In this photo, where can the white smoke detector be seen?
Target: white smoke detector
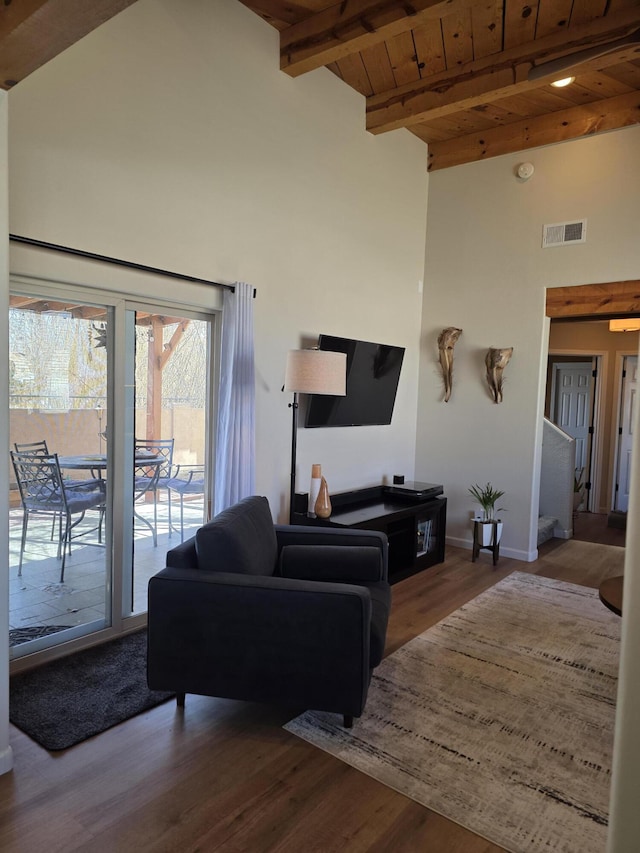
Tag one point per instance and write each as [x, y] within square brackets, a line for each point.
[525, 170]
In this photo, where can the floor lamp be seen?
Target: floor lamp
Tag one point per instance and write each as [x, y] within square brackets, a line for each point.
[311, 371]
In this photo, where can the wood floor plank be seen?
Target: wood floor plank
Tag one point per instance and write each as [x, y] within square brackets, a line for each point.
[225, 776]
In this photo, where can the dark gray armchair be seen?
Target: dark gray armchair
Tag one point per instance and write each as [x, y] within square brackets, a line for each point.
[287, 615]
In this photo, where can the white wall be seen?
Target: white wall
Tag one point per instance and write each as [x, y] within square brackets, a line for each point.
[486, 273]
[170, 137]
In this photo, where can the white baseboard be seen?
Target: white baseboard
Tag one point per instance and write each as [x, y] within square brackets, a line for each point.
[560, 533]
[513, 553]
[6, 760]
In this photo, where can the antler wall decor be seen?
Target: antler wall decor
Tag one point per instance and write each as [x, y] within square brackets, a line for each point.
[496, 361]
[446, 342]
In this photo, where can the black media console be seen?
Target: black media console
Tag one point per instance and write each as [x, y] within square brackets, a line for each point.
[415, 526]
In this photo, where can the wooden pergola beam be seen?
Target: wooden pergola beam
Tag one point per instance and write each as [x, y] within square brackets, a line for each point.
[607, 114]
[154, 379]
[494, 77]
[176, 337]
[352, 25]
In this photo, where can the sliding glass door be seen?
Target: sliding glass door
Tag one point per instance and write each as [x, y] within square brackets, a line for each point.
[110, 426]
[60, 502]
[167, 405]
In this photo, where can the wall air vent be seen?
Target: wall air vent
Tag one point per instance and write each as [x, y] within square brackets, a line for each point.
[564, 233]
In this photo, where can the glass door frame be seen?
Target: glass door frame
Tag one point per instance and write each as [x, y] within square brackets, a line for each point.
[123, 453]
[117, 450]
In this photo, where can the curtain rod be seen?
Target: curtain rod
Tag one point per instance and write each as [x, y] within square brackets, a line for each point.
[55, 247]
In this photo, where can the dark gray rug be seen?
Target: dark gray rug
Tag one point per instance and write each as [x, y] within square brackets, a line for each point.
[69, 700]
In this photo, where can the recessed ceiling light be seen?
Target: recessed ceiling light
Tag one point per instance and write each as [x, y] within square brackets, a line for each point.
[566, 81]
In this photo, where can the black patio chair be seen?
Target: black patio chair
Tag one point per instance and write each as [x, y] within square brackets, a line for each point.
[44, 492]
[40, 448]
[153, 460]
[187, 480]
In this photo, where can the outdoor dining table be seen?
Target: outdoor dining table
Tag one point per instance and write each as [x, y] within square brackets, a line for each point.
[98, 461]
[97, 464]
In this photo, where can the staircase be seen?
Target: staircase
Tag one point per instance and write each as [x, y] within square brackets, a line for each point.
[546, 525]
[557, 471]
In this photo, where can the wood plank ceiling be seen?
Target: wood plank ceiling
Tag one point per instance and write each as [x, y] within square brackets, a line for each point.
[472, 77]
[469, 77]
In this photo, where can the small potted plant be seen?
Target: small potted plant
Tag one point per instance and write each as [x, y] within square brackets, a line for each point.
[487, 497]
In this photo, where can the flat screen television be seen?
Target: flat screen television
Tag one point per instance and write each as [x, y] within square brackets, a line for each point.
[373, 372]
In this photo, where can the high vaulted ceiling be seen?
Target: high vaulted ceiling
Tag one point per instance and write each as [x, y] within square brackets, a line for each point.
[466, 76]
[469, 77]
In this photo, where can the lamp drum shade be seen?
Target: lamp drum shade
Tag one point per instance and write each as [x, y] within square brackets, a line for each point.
[314, 371]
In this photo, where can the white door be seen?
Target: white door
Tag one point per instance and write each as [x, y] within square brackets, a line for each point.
[571, 407]
[625, 431]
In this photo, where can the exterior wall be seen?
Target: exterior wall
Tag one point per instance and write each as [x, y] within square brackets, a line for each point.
[487, 274]
[170, 137]
[76, 432]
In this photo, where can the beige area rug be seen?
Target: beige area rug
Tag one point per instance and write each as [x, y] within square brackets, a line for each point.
[500, 717]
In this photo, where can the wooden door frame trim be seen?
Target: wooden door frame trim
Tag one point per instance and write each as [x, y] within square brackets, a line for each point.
[594, 301]
[604, 301]
[619, 380]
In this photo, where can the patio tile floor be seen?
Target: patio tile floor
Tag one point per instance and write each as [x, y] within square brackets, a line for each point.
[38, 598]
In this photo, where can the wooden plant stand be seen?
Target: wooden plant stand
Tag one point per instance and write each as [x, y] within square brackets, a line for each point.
[478, 540]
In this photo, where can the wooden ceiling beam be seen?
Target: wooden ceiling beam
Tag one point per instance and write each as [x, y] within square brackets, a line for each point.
[34, 31]
[494, 77]
[473, 93]
[607, 114]
[279, 13]
[612, 299]
[352, 25]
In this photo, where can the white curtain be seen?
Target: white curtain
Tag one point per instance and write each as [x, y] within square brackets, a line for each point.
[235, 434]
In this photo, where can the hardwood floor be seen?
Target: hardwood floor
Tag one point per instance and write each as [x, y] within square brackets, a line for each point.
[593, 527]
[224, 776]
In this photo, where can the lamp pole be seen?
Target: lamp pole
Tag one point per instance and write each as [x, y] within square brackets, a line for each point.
[294, 439]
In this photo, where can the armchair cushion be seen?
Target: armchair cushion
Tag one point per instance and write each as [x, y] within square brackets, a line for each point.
[183, 556]
[339, 563]
[240, 539]
[380, 594]
[348, 564]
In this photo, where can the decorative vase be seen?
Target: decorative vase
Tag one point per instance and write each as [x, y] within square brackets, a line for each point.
[323, 501]
[314, 488]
